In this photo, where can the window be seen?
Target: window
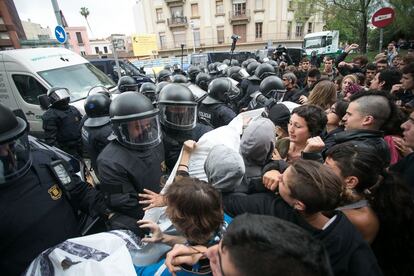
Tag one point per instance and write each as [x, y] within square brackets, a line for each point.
[68, 35]
[1, 20]
[196, 34]
[4, 36]
[159, 14]
[83, 53]
[289, 29]
[105, 49]
[239, 9]
[177, 12]
[79, 37]
[194, 10]
[259, 4]
[163, 41]
[29, 88]
[290, 5]
[309, 27]
[299, 30]
[219, 7]
[259, 28]
[97, 50]
[220, 35]
[179, 38]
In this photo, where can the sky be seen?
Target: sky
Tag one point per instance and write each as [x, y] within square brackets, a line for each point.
[106, 16]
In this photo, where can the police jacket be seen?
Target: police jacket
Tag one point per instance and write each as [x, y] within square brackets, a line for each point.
[124, 172]
[215, 115]
[37, 214]
[173, 141]
[94, 140]
[61, 125]
[247, 88]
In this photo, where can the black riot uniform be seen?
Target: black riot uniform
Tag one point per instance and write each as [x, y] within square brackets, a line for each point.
[39, 198]
[97, 127]
[133, 160]
[61, 122]
[214, 110]
[178, 116]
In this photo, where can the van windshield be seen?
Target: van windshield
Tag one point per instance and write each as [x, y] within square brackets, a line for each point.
[78, 79]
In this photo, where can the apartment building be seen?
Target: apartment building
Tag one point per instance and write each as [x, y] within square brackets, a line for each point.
[11, 29]
[207, 25]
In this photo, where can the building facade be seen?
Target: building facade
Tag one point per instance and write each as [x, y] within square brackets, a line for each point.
[101, 47]
[78, 40]
[11, 29]
[35, 31]
[208, 25]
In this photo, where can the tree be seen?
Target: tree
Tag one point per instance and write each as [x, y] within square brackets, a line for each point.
[85, 13]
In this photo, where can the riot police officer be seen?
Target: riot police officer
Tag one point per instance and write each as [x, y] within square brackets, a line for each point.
[178, 78]
[133, 159]
[148, 90]
[164, 75]
[178, 116]
[203, 80]
[97, 127]
[214, 110]
[271, 91]
[193, 72]
[40, 197]
[61, 122]
[127, 83]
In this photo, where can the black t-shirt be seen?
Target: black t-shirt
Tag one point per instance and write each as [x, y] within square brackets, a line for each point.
[405, 167]
[348, 252]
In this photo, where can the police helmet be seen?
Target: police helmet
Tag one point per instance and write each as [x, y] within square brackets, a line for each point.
[274, 64]
[167, 67]
[212, 68]
[179, 79]
[97, 108]
[234, 73]
[272, 86]
[178, 107]
[15, 158]
[127, 83]
[203, 80]
[245, 63]
[99, 89]
[164, 75]
[193, 72]
[148, 90]
[226, 61]
[262, 71]
[176, 67]
[58, 96]
[135, 121]
[234, 62]
[221, 90]
[252, 67]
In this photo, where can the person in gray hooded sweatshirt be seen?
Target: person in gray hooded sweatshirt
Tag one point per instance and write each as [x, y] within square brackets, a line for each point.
[256, 147]
[224, 168]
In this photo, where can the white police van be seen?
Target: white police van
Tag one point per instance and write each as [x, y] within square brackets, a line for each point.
[26, 74]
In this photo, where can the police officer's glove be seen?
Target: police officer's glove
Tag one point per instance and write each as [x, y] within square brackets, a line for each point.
[119, 221]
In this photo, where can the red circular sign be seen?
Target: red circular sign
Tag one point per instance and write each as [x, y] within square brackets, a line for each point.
[383, 17]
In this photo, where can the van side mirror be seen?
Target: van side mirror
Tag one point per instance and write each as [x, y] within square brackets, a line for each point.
[44, 101]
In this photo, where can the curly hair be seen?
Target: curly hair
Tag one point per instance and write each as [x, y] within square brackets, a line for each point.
[314, 116]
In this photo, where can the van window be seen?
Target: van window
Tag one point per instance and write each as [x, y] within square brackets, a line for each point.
[29, 88]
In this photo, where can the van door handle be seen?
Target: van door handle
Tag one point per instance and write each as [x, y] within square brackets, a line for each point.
[30, 113]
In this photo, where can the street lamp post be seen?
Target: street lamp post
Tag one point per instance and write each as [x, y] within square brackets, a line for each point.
[182, 56]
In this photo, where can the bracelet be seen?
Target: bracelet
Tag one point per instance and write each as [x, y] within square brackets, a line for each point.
[183, 165]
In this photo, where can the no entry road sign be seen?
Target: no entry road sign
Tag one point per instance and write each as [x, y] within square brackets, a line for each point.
[383, 17]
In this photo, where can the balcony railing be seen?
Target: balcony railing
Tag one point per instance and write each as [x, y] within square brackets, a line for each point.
[177, 21]
[239, 15]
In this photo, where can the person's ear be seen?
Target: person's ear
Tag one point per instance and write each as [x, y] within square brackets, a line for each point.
[300, 206]
[381, 84]
[351, 182]
[368, 120]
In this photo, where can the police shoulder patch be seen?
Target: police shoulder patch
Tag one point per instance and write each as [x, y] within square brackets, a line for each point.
[55, 192]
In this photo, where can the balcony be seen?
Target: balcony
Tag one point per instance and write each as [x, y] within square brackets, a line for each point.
[239, 16]
[174, 2]
[177, 21]
[6, 42]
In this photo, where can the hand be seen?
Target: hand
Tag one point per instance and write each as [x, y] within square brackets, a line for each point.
[276, 155]
[271, 179]
[351, 47]
[314, 144]
[303, 99]
[402, 146]
[151, 198]
[342, 64]
[181, 254]
[156, 234]
[395, 88]
[189, 145]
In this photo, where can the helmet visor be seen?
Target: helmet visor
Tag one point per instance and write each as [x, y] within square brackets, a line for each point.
[14, 159]
[234, 92]
[142, 132]
[179, 116]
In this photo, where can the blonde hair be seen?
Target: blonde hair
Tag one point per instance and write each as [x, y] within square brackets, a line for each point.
[352, 77]
[323, 94]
